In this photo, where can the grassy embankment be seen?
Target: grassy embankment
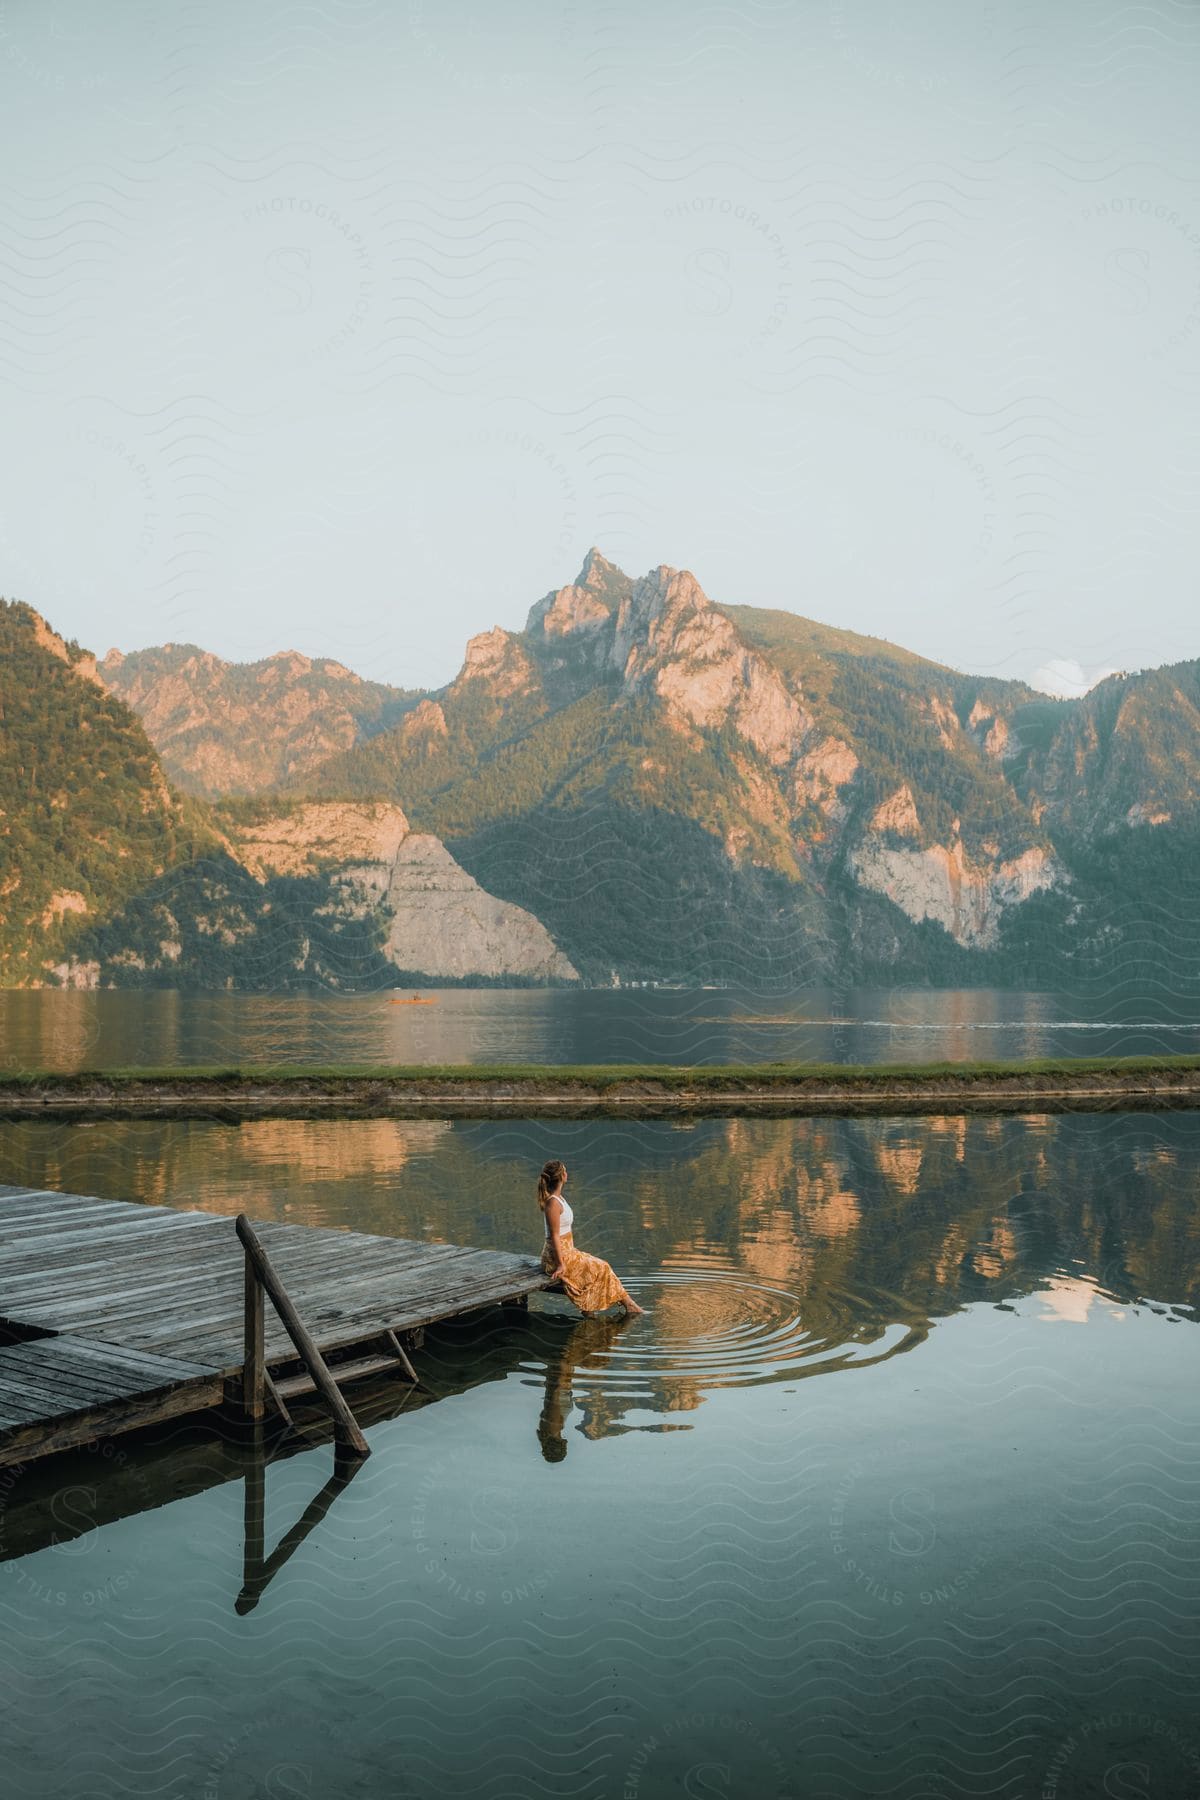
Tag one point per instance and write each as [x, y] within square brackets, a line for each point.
[1065, 1081]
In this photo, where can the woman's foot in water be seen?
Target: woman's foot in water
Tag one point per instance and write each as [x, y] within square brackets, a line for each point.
[632, 1309]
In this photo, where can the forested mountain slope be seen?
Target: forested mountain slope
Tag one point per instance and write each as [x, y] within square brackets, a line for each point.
[109, 878]
[86, 818]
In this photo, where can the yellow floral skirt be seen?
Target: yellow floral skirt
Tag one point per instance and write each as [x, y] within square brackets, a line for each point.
[588, 1280]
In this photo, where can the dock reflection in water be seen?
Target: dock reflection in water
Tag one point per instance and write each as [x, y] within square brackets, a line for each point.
[892, 1492]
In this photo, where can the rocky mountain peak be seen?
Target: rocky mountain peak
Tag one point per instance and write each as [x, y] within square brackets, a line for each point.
[486, 650]
[673, 592]
[585, 605]
[498, 658]
[671, 640]
[568, 610]
[597, 572]
[656, 611]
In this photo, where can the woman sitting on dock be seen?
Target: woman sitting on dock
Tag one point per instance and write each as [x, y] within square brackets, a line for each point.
[588, 1281]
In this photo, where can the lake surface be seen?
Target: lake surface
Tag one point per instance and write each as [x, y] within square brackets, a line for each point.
[894, 1492]
[66, 1031]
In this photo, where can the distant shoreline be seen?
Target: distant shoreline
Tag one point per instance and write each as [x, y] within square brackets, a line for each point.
[1068, 1084]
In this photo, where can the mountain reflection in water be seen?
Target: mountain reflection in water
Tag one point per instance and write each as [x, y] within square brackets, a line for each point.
[590, 1551]
[765, 1249]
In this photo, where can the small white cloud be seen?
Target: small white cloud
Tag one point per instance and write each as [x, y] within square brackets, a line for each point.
[1066, 679]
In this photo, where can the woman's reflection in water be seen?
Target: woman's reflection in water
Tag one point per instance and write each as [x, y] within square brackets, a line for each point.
[584, 1346]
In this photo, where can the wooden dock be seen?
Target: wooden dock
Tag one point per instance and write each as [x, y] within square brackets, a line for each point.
[115, 1315]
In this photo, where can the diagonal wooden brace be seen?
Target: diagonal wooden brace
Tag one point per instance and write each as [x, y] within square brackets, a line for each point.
[346, 1429]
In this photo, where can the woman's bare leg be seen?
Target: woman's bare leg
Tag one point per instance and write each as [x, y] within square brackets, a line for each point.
[631, 1306]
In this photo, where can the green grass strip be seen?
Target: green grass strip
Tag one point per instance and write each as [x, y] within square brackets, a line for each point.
[598, 1075]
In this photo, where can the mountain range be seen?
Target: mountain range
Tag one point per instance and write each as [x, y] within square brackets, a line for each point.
[240, 728]
[640, 785]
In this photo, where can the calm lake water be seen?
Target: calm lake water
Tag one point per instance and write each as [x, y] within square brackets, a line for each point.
[893, 1493]
[66, 1031]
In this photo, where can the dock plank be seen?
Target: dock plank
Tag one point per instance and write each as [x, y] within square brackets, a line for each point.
[77, 1375]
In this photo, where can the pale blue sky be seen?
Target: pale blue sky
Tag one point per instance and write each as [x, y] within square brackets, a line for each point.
[350, 327]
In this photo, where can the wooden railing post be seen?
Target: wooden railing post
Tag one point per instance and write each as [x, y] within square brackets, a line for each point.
[258, 1568]
[346, 1431]
[254, 1368]
[254, 1546]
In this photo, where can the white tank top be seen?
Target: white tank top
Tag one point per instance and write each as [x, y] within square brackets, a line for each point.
[566, 1217]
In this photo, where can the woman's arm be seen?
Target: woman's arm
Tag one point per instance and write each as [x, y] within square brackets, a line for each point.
[553, 1215]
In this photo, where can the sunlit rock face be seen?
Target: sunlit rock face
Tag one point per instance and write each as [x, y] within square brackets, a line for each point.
[897, 815]
[425, 728]
[439, 920]
[991, 732]
[570, 631]
[443, 922]
[822, 774]
[662, 636]
[498, 658]
[320, 835]
[572, 611]
[941, 883]
[671, 640]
